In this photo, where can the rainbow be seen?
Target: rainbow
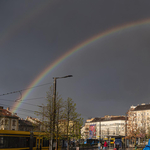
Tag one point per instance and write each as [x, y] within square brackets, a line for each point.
[77, 48]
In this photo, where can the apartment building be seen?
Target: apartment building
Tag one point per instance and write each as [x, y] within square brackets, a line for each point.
[37, 124]
[25, 125]
[138, 118]
[8, 120]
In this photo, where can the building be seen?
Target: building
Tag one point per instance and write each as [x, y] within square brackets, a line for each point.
[86, 128]
[138, 120]
[8, 120]
[74, 128]
[105, 127]
[83, 133]
[25, 125]
[37, 124]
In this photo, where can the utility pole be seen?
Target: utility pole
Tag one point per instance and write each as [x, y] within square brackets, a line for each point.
[54, 112]
[125, 130]
[54, 108]
[43, 120]
[31, 140]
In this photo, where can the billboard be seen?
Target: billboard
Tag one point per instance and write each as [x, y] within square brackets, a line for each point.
[92, 131]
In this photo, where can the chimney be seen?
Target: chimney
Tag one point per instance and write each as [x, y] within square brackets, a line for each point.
[8, 108]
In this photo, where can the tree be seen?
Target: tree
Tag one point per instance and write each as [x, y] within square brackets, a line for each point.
[132, 129]
[67, 122]
[71, 121]
[47, 113]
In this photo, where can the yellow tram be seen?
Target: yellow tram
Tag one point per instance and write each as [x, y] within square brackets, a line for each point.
[22, 140]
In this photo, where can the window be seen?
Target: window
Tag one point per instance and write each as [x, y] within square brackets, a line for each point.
[45, 142]
[6, 122]
[2, 122]
[14, 122]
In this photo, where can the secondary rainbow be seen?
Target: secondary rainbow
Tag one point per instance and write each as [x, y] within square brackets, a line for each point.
[47, 70]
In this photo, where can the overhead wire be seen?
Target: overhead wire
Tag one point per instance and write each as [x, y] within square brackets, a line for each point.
[22, 109]
[24, 89]
[22, 100]
[18, 100]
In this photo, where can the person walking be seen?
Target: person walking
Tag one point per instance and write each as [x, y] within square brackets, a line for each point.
[99, 145]
[105, 145]
[147, 147]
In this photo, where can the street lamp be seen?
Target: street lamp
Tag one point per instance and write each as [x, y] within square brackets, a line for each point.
[54, 100]
[126, 118]
[54, 95]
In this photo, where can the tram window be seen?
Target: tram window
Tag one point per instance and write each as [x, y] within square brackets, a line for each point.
[14, 142]
[45, 142]
[34, 142]
[1, 142]
[24, 141]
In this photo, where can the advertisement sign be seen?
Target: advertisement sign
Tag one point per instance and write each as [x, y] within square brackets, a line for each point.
[92, 131]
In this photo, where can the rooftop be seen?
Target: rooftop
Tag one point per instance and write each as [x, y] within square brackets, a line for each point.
[108, 118]
[142, 107]
[25, 123]
[7, 113]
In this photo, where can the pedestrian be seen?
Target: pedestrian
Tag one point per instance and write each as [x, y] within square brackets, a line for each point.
[147, 147]
[99, 145]
[135, 146]
[105, 145]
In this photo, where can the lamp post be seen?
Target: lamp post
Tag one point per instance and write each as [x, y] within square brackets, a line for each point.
[54, 104]
[126, 130]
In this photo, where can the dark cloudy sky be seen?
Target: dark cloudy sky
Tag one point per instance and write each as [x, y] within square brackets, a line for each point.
[109, 75]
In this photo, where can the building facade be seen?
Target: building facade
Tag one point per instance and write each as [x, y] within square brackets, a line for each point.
[105, 127]
[138, 120]
[8, 120]
[25, 125]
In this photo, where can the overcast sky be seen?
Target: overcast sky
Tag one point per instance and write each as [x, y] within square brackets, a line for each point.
[109, 75]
